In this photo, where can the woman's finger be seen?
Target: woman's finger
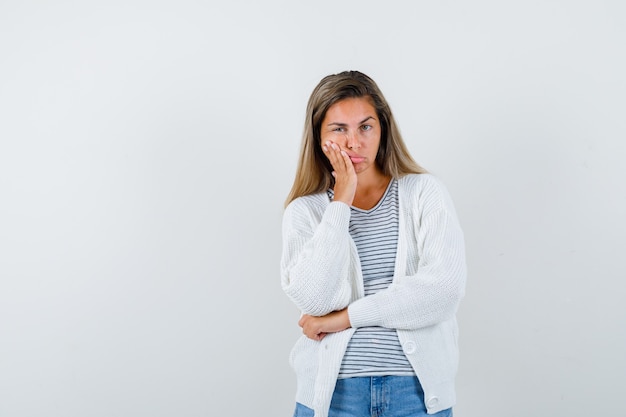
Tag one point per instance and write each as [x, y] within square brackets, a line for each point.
[348, 162]
[336, 157]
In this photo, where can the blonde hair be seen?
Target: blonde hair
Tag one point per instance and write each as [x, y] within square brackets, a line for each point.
[313, 174]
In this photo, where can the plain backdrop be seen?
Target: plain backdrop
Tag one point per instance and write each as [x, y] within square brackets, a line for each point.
[147, 147]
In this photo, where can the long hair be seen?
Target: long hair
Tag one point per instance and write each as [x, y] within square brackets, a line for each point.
[313, 174]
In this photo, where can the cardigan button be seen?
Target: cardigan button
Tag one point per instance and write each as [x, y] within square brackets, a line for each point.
[432, 402]
[409, 347]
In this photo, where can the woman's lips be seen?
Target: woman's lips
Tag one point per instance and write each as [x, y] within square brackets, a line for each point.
[357, 159]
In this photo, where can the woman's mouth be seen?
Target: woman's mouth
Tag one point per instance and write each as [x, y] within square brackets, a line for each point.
[357, 159]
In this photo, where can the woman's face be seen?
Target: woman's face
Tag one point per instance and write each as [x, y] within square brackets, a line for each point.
[353, 125]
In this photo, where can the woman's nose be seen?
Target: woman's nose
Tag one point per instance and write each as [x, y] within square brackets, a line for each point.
[352, 141]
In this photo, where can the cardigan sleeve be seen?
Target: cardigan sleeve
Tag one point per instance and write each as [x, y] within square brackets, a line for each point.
[316, 258]
[436, 284]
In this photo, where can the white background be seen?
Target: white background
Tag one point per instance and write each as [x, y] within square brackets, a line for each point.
[146, 148]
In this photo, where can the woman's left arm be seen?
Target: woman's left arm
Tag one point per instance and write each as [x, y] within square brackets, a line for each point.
[431, 294]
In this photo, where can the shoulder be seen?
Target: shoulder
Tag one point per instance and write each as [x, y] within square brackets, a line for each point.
[419, 183]
[305, 207]
[308, 203]
[426, 190]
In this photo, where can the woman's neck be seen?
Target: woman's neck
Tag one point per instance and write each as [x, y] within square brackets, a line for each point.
[370, 189]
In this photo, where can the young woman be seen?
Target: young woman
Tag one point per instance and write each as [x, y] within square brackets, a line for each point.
[373, 256]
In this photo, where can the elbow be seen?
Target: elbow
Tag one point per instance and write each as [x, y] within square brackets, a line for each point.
[319, 310]
[317, 303]
[456, 292]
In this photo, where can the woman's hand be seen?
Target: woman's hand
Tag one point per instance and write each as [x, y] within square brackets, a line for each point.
[345, 176]
[317, 327]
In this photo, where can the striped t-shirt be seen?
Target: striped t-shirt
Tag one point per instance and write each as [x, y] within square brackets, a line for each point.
[376, 351]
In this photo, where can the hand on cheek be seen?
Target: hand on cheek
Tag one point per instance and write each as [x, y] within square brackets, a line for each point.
[344, 173]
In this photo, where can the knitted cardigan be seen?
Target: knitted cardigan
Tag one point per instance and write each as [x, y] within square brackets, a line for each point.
[321, 273]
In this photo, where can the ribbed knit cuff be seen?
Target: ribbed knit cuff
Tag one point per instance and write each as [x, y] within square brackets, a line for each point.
[337, 214]
[364, 312]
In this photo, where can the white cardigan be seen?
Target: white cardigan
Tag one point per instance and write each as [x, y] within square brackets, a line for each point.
[321, 273]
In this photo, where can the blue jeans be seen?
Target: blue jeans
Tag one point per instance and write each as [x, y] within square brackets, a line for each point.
[378, 396]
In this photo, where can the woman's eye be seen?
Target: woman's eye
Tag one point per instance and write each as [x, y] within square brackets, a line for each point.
[338, 129]
[366, 127]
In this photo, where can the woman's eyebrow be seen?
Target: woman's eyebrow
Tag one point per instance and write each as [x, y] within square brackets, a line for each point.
[345, 124]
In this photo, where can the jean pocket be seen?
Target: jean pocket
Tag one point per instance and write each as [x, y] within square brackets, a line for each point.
[303, 411]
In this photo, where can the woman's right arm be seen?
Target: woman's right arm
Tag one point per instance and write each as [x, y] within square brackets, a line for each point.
[316, 258]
